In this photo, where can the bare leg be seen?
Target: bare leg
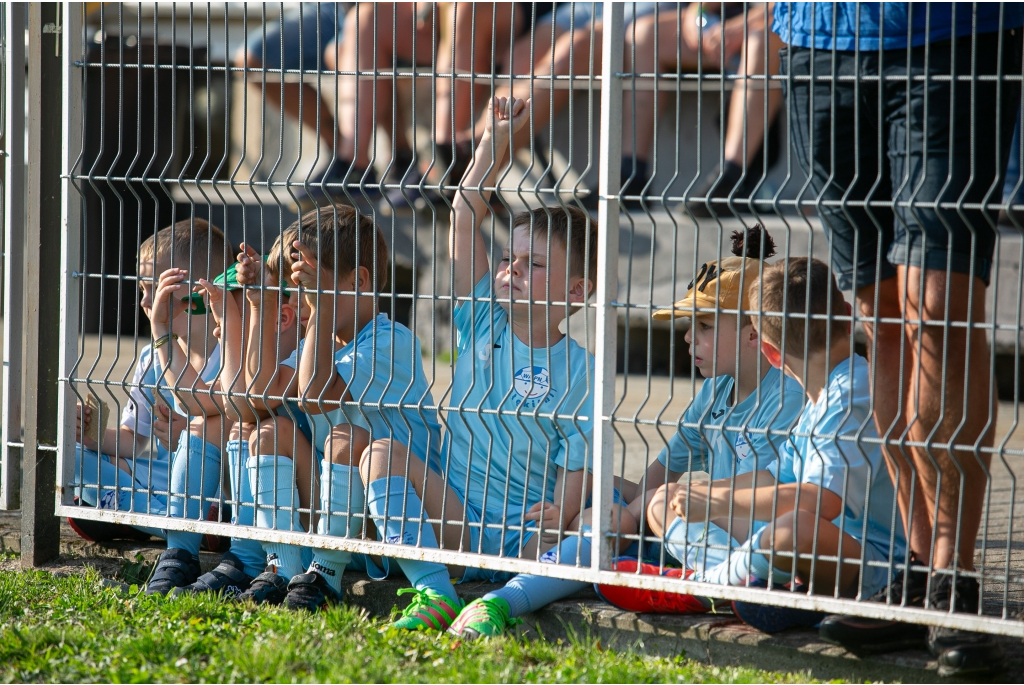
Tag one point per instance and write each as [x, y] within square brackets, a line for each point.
[888, 392]
[747, 106]
[314, 111]
[471, 31]
[796, 529]
[374, 35]
[387, 459]
[936, 401]
[672, 54]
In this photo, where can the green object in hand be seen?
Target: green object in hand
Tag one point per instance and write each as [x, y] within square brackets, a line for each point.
[196, 307]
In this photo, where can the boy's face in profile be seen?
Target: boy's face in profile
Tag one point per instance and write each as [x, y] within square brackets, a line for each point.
[527, 270]
[713, 348]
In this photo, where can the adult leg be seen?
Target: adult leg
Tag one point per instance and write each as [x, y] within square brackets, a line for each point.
[891, 363]
[945, 407]
[747, 108]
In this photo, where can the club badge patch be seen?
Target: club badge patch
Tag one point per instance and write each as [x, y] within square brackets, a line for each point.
[532, 384]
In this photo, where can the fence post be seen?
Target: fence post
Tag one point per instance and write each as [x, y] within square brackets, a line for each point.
[14, 244]
[73, 39]
[607, 279]
[40, 528]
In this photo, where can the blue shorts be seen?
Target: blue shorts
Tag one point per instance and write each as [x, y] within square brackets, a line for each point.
[298, 52]
[577, 15]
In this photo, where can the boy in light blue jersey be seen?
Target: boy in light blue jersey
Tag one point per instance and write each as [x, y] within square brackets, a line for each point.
[353, 356]
[830, 478]
[734, 426]
[188, 353]
[149, 420]
[512, 461]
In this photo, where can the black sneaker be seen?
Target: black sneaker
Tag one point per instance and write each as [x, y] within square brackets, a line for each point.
[175, 568]
[310, 592]
[873, 635]
[228, 578]
[266, 588]
[105, 531]
[411, 197]
[774, 619]
[718, 186]
[961, 652]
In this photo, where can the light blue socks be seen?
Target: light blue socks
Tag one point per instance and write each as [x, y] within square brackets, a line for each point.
[91, 470]
[526, 592]
[342, 494]
[272, 481]
[243, 513]
[195, 473]
[396, 499]
[741, 564]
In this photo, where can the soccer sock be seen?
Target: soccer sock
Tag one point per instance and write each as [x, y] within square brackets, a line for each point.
[92, 470]
[249, 552]
[341, 493]
[195, 473]
[741, 565]
[394, 497]
[272, 481]
[699, 546]
[527, 592]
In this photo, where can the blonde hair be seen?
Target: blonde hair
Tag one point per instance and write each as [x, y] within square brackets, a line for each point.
[189, 243]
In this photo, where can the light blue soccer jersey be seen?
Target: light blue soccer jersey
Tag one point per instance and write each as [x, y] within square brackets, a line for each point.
[728, 434]
[383, 370]
[502, 436]
[825, 451]
[138, 413]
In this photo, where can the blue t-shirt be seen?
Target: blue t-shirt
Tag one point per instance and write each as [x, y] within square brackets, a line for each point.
[700, 445]
[825, 451]
[384, 375]
[806, 18]
[502, 432]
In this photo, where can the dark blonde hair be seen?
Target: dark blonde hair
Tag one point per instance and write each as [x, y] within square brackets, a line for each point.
[798, 287]
[194, 243]
[573, 228]
[336, 233]
[279, 259]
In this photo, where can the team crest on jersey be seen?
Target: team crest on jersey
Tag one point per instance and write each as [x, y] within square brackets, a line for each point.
[532, 384]
[742, 447]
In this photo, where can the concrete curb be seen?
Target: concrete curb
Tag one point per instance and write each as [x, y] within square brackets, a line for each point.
[720, 639]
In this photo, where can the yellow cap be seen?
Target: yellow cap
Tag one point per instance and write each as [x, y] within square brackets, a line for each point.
[717, 283]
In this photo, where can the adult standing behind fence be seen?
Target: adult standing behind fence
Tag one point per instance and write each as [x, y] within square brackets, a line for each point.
[917, 141]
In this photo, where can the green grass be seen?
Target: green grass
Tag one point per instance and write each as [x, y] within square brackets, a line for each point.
[72, 629]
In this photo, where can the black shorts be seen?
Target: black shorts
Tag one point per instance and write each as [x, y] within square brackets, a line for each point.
[873, 140]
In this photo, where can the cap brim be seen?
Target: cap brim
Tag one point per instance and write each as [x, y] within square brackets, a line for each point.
[683, 309]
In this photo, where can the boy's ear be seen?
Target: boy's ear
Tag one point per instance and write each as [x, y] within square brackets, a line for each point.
[580, 290]
[772, 354]
[753, 338]
[288, 318]
[361, 279]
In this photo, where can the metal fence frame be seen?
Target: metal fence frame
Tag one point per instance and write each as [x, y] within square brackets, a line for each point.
[48, 421]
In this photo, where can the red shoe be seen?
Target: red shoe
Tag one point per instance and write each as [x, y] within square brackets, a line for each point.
[649, 601]
[105, 531]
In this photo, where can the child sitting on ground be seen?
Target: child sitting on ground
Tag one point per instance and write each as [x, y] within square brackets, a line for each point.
[360, 381]
[189, 358]
[734, 426]
[148, 422]
[829, 477]
[512, 462]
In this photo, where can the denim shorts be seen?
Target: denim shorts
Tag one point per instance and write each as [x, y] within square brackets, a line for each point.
[303, 51]
[838, 127]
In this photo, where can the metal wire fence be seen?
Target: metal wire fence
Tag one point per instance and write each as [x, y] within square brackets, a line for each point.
[617, 317]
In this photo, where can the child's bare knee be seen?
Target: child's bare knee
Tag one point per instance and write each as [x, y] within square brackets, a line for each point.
[275, 436]
[383, 458]
[347, 443]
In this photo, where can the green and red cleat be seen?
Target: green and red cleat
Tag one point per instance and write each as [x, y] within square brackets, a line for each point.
[428, 610]
[483, 618]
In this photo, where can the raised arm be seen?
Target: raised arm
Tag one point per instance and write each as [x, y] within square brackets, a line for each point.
[265, 376]
[317, 377]
[194, 394]
[232, 344]
[466, 245]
